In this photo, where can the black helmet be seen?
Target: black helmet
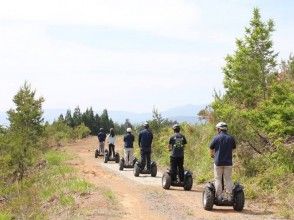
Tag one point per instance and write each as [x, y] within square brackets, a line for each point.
[101, 129]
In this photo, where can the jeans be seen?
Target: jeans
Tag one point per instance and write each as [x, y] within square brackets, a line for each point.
[225, 171]
[111, 150]
[145, 156]
[129, 156]
[176, 167]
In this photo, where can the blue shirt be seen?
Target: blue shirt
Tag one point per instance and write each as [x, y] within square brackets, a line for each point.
[223, 144]
[145, 139]
[129, 140]
[101, 136]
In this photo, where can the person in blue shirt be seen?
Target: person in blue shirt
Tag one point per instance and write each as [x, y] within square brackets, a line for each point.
[129, 147]
[101, 139]
[145, 141]
[221, 149]
[176, 145]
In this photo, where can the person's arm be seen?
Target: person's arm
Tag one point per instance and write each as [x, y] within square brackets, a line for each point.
[234, 143]
[139, 141]
[170, 143]
[184, 140]
[212, 148]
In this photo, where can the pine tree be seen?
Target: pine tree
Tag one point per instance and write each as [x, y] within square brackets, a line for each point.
[248, 70]
[26, 127]
[77, 117]
[68, 119]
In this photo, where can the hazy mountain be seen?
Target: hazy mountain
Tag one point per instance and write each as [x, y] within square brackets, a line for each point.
[186, 113]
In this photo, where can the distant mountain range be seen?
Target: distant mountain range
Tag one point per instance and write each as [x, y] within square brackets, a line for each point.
[185, 113]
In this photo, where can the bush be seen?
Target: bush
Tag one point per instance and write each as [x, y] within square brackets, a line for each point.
[81, 131]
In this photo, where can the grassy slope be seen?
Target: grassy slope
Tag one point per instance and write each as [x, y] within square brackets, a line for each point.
[51, 188]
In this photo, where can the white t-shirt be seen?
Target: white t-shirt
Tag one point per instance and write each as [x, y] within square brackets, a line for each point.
[111, 140]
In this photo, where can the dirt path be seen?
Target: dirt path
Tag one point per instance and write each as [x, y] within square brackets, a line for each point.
[143, 197]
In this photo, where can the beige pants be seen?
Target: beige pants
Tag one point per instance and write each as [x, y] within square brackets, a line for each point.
[226, 171]
[101, 147]
[129, 156]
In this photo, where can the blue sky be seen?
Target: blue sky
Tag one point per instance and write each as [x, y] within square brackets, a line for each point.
[126, 55]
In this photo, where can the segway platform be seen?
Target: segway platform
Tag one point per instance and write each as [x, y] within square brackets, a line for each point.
[237, 200]
[98, 153]
[167, 181]
[107, 157]
[138, 170]
[122, 164]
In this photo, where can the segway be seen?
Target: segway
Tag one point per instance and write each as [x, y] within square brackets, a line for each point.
[107, 157]
[98, 153]
[209, 198]
[138, 170]
[167, 181]
[122, 164]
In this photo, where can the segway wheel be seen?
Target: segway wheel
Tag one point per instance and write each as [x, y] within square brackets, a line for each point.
[208, 199]
[134, 161]
[96, 153]
[136, 170]
[166, 180]
[105, 156]
[117, 158]
[121, 164]
[188, 183]
[154, 170]
[239, 201]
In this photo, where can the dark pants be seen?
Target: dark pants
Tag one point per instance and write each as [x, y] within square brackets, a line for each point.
[111, 150]
[145, 156]
[176, 167]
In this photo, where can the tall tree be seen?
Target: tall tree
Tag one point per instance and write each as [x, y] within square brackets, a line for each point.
[247, 71]
[77, 116]
[104, 118]
[26, 127]
[68, 118]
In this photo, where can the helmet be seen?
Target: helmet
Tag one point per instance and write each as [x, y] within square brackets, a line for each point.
[222, 126]
[111, 129]
[176, 127]
[146, 125]
[129, 130]
[101, 129]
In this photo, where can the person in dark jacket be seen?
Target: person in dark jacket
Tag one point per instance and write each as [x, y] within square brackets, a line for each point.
[177, 144]
[145, 141]
[221, 149]
[101, 139]
[129, 147]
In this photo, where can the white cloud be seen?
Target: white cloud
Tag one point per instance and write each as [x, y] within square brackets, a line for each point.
[161, 17]
[68, 74]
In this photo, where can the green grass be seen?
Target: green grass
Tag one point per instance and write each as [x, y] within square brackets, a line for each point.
[56, 182]
[79, 185]
[5, 216]
[109, 195]
[67, 200]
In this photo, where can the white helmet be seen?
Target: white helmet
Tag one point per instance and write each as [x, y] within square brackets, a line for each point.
[129, 130]
[222, 126]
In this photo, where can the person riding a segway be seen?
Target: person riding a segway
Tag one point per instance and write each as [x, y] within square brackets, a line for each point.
[128, 161]
[176, 176]
[145, 142]
[101, 139]
[110, 155]
[223, 192]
